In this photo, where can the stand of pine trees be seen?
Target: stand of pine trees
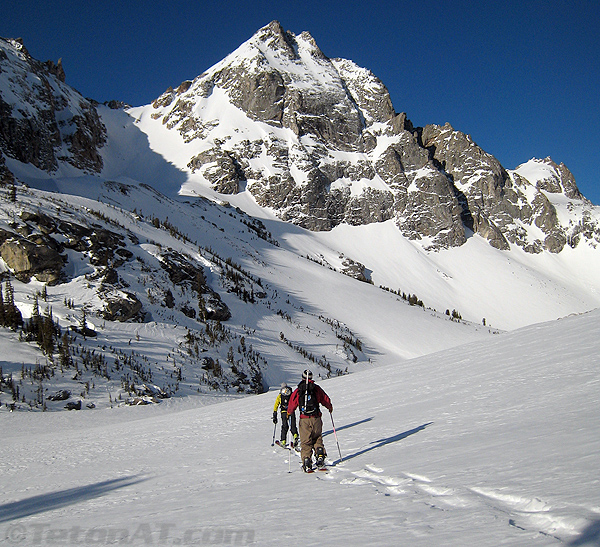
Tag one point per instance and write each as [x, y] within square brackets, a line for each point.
[42, 329]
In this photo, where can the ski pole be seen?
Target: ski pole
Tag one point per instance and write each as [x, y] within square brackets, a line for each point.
[274, 431]
[305, 406]
[289, 449]
[336, 439]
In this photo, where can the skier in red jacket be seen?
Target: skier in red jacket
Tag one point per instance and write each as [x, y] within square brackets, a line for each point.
[308, 396]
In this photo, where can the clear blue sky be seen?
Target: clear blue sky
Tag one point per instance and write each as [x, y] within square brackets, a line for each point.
[521, 77]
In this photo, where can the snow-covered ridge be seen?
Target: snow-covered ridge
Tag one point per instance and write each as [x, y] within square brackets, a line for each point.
[143, 311]
[46, 123]
[318, 141]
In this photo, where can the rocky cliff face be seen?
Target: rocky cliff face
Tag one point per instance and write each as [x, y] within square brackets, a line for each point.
[330, 148]
[314, 139]
[500, 205]
[319, 141]
[43, 121]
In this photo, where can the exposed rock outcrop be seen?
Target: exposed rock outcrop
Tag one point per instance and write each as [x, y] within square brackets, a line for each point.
[316, 140]
[350, 157]
[122, 306]
[43, 121]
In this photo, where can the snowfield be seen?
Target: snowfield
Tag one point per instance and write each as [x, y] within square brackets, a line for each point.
[468, 419]
[489, 443]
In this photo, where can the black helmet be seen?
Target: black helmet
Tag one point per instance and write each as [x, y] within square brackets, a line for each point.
[307, 374]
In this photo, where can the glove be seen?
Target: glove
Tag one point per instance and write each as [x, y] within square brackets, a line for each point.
[275, 417]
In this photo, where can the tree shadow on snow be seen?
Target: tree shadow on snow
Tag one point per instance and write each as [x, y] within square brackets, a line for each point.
[388, 440]
[325, 433]
[590, 536]
[56, 500]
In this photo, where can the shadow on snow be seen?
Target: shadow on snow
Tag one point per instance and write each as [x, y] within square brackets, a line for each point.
[590, 536]
[56, 500]
[347, 426]
[387, 440]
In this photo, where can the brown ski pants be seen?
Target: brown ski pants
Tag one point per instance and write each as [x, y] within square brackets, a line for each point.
[311, 436]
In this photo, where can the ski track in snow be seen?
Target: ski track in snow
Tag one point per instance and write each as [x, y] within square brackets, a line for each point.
[536, 518]
[529, 514]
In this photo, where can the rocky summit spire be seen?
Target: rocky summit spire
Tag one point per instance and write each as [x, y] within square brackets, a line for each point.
[275, 38]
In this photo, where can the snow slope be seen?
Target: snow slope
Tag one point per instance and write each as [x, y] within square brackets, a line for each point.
[490, 443]
[509, 289]
[305, 309]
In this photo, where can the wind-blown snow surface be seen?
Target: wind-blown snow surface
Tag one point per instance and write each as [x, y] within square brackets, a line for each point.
[490, 443]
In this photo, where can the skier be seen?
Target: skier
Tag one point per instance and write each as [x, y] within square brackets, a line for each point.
[282, 401]
[308, 396]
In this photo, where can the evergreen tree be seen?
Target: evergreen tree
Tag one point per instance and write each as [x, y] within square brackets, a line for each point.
[33, 329]
[13, 317]
[66, 360]
[47, 329]
[202, 308]
[83, 322]
[2, 311]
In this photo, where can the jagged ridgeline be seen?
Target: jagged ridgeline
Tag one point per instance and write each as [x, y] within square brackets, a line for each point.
[141, 305]
[315, 139]
[322, 145]
[43, 121]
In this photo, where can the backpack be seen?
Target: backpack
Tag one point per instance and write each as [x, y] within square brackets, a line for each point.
[285, 395]
[309, 406]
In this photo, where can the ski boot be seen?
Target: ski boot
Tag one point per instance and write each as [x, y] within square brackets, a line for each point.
[320, 457]
[283, 443]
[307, 465]
[295, 440]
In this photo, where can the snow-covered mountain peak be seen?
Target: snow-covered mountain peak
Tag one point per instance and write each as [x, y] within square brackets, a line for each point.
[276, 43]
[268, 78]
[549, 176]
[159, 255]
[318, 142]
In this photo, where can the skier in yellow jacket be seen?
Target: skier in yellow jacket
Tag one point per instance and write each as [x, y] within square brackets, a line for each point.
[282, 401]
